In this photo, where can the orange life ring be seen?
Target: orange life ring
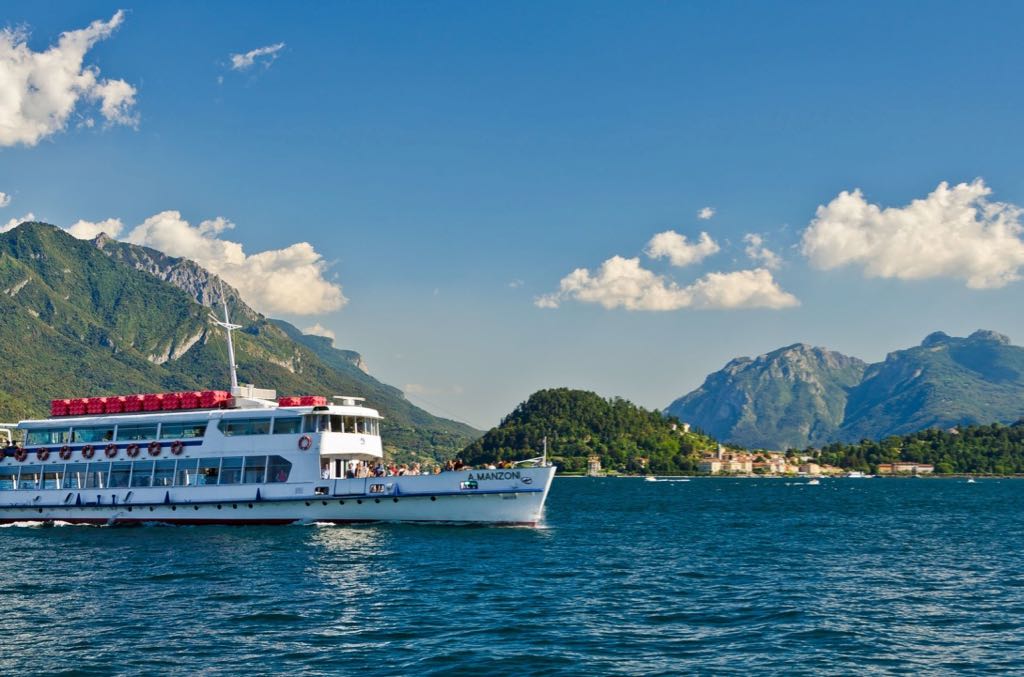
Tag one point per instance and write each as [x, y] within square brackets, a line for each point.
[88, 451]
[110, 451]
[20, 454]
[177, 446]
[154, 448]
[65, 452]
[132, 450]
[305, 442]
[42, 454]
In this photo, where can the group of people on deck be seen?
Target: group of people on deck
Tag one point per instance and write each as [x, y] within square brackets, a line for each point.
[363, 469]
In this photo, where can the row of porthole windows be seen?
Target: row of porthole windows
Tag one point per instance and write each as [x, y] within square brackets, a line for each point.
[185, 472]
[220, 506]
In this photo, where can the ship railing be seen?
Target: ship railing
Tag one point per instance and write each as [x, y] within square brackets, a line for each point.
[540, 461]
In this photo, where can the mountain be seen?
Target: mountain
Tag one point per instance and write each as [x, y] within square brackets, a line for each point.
[84, 318]
[943, 382]
[800, 396]
[790, 397]
[579, 423]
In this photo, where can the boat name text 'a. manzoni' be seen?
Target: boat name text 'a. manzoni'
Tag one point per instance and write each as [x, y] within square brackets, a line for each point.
[496, 475]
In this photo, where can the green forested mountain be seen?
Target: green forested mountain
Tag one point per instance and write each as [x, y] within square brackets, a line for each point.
[943, 382]
[578, 423]
[790, 397]
[993, 448]
[77, 320]
[800, 396]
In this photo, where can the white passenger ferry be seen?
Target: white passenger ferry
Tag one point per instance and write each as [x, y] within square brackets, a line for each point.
[239, 457]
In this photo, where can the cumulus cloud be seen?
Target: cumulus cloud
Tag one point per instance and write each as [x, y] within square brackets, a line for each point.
[265, 55]
[14, 223]
[758, 253]
[705, 213]
[319, 330]
[954, 232]
[5, 199]
[87, 230]
[624, 283]
[289, 280]
[678, 250]
[40, 90]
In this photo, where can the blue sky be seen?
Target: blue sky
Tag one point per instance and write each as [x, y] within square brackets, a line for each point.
[450, 163]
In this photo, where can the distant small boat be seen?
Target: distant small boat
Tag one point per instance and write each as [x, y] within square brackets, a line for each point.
[970, 480]
[650, 478]
[857, 475]
[814, 482]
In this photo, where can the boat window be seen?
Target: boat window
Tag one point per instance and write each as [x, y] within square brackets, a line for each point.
[231, 470]
[278, 469]
[94, 434]
[360, 425]
[8, 477]
[74, 476]
[136, 432]
[188, 472]
[163, 476]
[287, 425]
[318, 423]
[120, 474]
[51, 476]
[29, 477]
[255, 469]
[142, 474]
[209, 470]
[47, 436]
[187, 430]
[96, 476]
[244, 426]
[336, 425]
[350, 424]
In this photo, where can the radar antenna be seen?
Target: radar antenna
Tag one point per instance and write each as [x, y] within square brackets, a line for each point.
[228, 328]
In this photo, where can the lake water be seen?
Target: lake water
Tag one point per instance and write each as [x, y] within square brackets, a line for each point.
[709, 576]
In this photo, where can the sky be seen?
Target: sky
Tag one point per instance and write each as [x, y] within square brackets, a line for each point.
[486, 199]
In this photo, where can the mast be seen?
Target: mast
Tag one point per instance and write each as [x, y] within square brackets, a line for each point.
[228, 328]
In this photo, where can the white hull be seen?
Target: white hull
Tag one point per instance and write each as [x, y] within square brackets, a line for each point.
[472, 497]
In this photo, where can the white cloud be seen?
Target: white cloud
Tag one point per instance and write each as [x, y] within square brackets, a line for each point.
[5, 199]
[320, 330]
[267, 55]
[624, 283]
[40, 90]
[87, 230]
[289, 280]
[14, 223]
[760, 254]
[705, 213]
[953, 232]
[678, 250]
[515, 284]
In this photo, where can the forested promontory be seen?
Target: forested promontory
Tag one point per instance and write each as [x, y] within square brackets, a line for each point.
[578, 424]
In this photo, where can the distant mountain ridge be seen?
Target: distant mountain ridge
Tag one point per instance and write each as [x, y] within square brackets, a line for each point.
[782, 399]
[801, 396]
[82, 318]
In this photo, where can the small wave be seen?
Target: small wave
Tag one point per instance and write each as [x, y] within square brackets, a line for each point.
[269, 617]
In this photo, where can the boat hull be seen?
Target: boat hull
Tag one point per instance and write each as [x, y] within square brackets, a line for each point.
[508, 500]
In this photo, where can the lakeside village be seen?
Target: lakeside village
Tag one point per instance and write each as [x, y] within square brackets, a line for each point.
[761, 463]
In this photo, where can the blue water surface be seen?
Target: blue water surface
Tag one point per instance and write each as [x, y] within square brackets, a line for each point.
[626, 577]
